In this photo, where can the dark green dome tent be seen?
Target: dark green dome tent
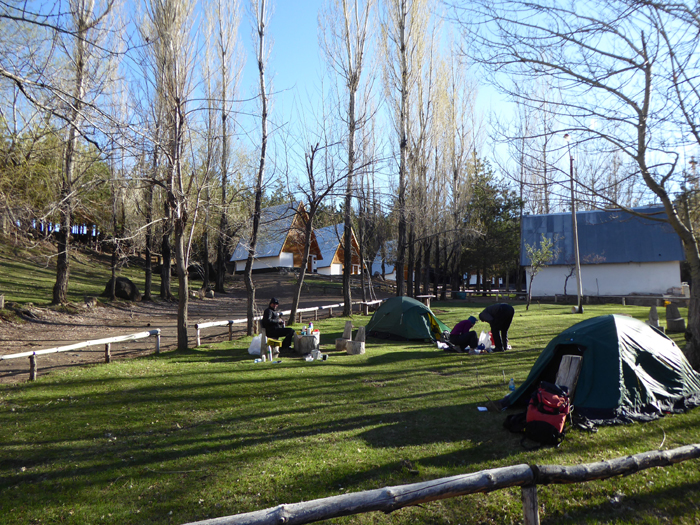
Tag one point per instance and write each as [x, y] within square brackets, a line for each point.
[405, 318]
[630, 371]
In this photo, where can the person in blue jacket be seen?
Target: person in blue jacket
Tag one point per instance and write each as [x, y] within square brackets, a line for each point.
[499, 317]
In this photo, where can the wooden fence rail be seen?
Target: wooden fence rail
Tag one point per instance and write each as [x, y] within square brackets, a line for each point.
[107, 342]
[389, 499]
[363, 306]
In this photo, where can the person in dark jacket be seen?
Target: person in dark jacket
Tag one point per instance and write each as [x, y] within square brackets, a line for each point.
[274, 327]
[499, 317]
[462, 334]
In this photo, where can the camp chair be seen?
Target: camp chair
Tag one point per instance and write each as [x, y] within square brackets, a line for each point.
[271, 345]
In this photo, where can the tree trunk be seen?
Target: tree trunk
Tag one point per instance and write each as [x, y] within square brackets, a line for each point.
[308, 228]
[60, 288]
[411, 260]
[221, 242]
[692, 349]
[205, 246]
[165, 268]
[347, 232]
[205, 260]
[403, 150]
[115, 232]
[149, 243]
[436, 275]
[182, 280]
[418, 270]
[445, 274]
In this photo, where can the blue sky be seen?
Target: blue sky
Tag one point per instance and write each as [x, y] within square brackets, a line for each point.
[295, 63]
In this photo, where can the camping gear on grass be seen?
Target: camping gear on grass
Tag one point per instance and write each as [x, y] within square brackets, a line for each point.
[630, 372]
[404, 318]
[255, 344]
[485, 342]
[546, 414]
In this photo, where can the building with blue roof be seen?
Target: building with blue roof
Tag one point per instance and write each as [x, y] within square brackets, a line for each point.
[389, 261]
[620, 253]
[281, 236]
[330, 242]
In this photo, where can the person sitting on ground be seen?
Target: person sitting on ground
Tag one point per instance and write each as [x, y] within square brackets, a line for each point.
[274, 327]
[499, 317]
[462, 334]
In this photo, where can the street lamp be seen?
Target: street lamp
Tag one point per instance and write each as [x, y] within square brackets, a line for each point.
[574, 226]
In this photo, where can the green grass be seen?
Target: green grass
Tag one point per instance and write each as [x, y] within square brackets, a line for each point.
[191, 435]
[28, 274]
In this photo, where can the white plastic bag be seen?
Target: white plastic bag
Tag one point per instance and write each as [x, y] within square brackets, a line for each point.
[254, 348]
[485, 339]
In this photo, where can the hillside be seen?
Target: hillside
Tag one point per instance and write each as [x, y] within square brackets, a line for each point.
[29, 322]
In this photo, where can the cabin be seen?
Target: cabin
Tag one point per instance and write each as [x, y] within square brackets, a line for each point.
[330, 241]
[281, 238]
[620, 253]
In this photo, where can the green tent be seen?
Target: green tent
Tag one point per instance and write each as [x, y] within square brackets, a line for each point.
[630, 371]
[405, 318]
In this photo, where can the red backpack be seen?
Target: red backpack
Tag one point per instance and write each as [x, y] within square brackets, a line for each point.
[546, 414]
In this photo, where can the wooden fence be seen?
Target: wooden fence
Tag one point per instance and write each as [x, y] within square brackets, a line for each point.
[389, 499]
[362, 305]
[107, 342]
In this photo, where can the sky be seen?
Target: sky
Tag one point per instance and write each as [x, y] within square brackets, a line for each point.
[295, 64]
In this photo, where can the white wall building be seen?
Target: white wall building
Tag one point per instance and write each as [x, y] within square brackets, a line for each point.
[620, 253]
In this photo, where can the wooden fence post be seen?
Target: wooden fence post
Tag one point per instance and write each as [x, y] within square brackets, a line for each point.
[158, 343]
[230, 331]
[531, 515]
[108, 353]
[32, 367]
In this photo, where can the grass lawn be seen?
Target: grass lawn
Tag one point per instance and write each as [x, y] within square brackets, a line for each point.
[186, 436]
[28, 274]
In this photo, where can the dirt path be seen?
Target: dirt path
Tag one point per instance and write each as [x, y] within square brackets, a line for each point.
[51, 329]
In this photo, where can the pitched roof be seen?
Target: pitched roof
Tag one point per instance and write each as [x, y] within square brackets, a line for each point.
[329, 238]
[275, 223]
[607, 236]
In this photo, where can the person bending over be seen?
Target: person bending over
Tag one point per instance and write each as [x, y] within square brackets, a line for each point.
[462, 334]
[499, 317]
[274, 327]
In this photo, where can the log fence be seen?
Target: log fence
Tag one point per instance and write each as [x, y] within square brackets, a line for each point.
[107, 342]
[528, 477]
[363, 307]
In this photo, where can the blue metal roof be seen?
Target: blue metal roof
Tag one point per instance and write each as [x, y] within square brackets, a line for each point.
[275, 223]
[388, 262]
[329, 239]
[610, 236]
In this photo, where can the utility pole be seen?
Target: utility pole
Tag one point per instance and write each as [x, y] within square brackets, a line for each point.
[574, 226]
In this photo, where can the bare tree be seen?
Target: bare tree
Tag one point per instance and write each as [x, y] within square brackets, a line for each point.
[345, 35]
[228, 61]
[85, 23]
[260, 13]
[628, 76]
[171, 23]
[539, 257]
[404, 25]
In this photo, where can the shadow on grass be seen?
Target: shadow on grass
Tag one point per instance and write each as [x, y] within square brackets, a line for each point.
[652, 506]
